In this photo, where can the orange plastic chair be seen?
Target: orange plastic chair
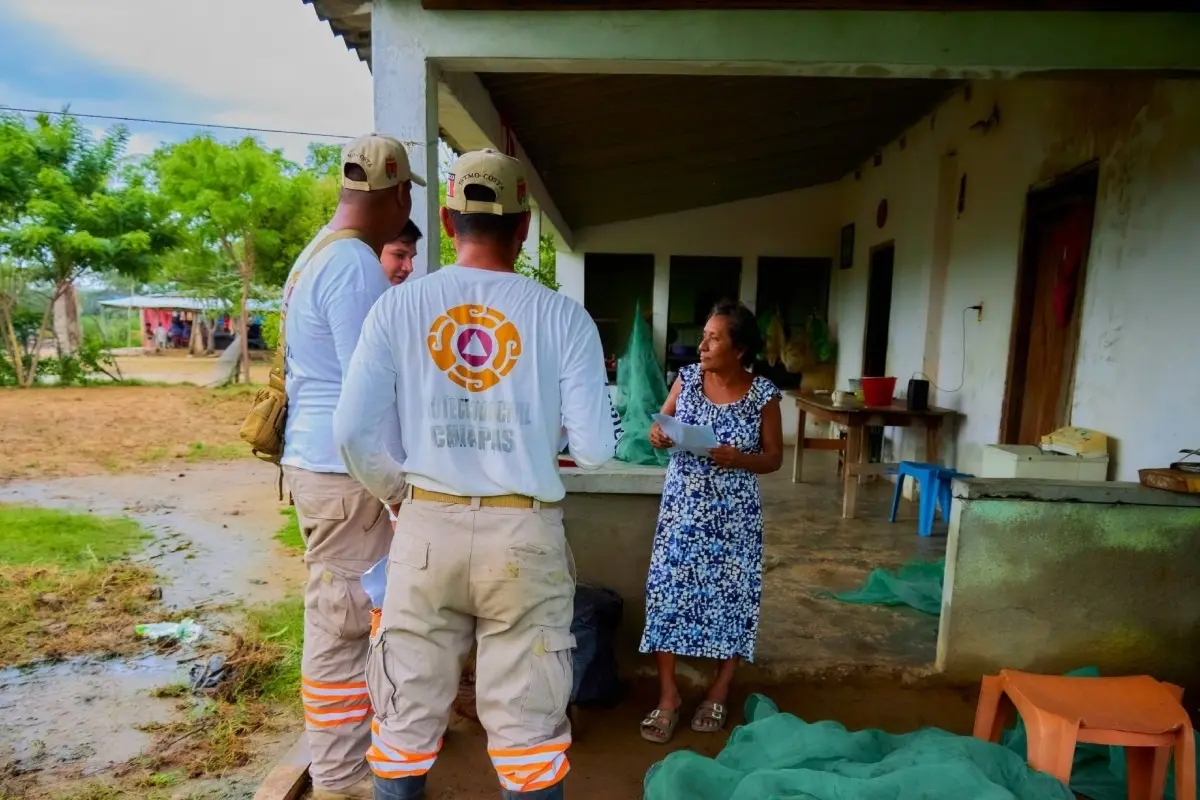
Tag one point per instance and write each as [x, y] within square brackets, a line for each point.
[1142, 715]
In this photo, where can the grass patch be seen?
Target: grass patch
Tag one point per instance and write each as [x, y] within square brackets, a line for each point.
[262, 693]
[42, 537]
[275, 632]
[288, 534]
[198, 451]
[237, 390]
[63, 589]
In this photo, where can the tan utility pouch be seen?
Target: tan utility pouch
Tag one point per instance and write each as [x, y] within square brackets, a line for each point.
[264, 426]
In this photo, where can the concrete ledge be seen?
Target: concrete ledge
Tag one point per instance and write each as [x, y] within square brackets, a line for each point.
[1109, 492]
[615, 478]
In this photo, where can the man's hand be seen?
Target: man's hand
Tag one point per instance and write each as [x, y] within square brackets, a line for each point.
[726, 456]
[658, 438]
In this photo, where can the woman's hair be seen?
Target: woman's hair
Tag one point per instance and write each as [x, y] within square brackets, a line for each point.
[743, 328]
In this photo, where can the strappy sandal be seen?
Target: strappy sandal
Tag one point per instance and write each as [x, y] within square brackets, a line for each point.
[659, 725]
[709, 717]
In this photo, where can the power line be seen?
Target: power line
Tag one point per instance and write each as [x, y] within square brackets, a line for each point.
[188, 124]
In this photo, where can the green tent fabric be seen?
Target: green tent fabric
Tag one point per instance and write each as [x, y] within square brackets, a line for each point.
[641, 392]
[1098, 771]
[778, 756]
[917, 584]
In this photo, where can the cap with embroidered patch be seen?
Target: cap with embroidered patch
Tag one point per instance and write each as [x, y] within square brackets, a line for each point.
[382, 158]
[504, 175]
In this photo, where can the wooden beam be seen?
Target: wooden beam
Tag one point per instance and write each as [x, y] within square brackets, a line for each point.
[811, 5]
[288, 779]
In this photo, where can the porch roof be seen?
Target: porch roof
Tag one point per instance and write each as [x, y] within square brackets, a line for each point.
[618, 147]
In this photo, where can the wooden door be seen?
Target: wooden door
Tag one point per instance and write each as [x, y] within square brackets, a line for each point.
[879, 311]
[1050, 282]
[875, 338]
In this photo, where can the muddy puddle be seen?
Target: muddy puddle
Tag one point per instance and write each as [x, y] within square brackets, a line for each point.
[213, 527]
[214, 551]
[84, 713]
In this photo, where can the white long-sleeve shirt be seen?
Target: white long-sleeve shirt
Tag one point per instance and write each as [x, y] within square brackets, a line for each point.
[325, 312]
[484, 371]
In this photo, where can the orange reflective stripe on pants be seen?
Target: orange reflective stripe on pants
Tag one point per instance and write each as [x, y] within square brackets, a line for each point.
[388, 762]
[328, 705]
[497, 578]
[531, 768]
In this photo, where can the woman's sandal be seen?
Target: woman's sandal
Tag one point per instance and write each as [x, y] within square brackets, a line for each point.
[709, 717]
[659, 725]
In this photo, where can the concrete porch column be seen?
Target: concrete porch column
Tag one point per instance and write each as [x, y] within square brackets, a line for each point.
[535, 235]
[568, 271]
[660, 305]
[748, 285]
[406, 106]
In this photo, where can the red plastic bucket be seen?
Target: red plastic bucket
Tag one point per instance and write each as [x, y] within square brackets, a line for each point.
[878, 391]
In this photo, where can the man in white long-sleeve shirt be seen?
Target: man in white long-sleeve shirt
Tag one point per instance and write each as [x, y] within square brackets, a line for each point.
[335, 282]
[485, 370]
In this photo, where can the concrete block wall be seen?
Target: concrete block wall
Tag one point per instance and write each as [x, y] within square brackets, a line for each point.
[1047, 577]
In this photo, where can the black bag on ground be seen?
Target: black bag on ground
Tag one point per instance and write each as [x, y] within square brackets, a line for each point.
[597, 683]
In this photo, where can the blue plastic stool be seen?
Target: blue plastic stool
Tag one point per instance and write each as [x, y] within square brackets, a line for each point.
[926, 476]
[945, 479]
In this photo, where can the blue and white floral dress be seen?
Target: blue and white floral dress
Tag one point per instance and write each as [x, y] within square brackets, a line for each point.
[705, 581]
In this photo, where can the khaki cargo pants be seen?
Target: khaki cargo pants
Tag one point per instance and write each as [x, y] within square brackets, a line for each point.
[503, 579]
[345, 530]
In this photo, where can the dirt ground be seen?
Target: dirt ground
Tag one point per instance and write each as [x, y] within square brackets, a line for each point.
[176, 366]
[52, 432]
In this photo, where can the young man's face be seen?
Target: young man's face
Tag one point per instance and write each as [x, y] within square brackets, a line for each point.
[397, 259]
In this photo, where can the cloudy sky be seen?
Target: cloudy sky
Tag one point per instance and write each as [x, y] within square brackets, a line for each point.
[257, 63]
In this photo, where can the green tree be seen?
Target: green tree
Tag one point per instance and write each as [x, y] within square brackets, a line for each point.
[248, 212]
[68, 209]
[325, 160]
[543, 272]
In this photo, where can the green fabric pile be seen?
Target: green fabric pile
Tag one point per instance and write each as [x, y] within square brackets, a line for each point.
[917, 584]
[641, 392]
[778, 756]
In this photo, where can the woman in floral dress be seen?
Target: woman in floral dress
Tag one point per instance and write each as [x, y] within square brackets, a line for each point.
[705, 581]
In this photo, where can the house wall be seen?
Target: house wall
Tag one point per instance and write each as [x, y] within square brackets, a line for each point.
[1142, 278]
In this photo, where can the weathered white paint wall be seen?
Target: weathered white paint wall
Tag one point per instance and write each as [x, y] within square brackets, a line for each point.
[1135, 378]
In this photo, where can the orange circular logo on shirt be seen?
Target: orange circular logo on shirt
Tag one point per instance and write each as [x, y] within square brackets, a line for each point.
[475, 346]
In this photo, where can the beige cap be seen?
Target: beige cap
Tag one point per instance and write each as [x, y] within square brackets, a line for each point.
[502, 174]
[382, 158]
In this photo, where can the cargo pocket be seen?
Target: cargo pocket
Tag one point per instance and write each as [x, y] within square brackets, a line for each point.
[329, 507]
[318, 514]
[381, 689]
[342, 608]
[409, 551]
[549, 691]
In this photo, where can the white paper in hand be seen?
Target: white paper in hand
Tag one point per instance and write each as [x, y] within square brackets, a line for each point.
[696, 439]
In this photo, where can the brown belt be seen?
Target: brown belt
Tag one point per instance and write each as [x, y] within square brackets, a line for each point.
[500, 501]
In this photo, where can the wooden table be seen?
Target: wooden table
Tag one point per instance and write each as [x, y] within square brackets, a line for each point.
[821, 407]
